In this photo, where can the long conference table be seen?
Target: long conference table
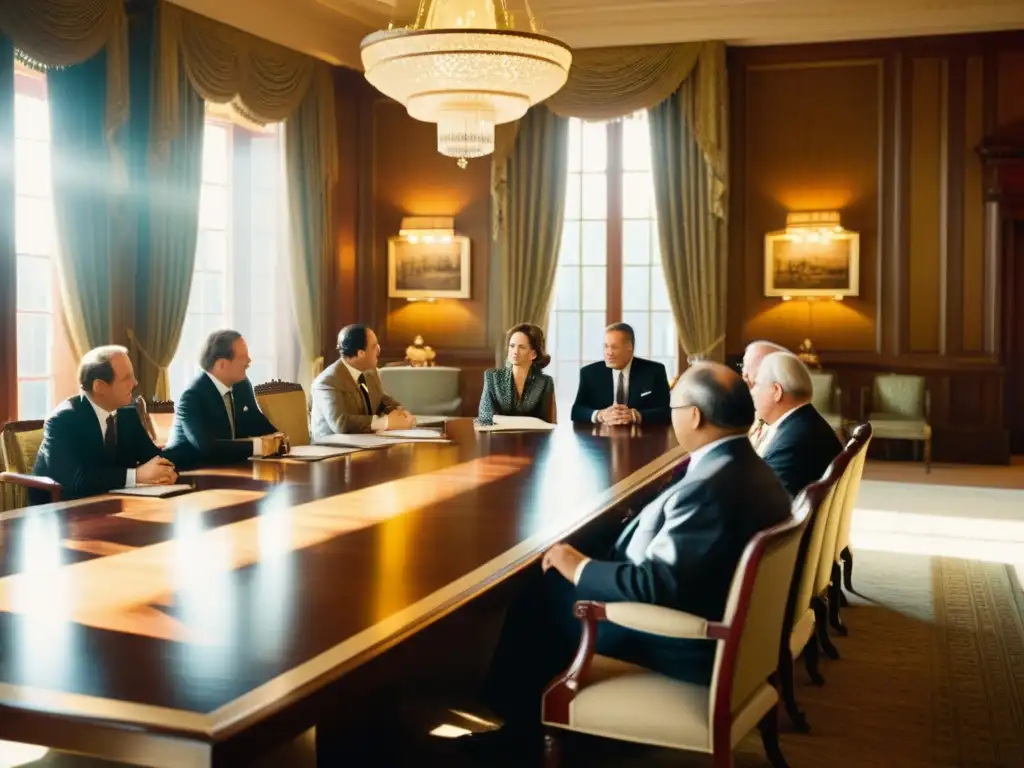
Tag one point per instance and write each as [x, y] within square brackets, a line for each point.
[171, 632]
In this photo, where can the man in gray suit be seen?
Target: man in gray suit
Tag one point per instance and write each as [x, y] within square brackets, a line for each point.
[349, 396]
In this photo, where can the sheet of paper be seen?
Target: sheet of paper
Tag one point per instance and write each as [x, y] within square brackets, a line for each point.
[516, 424]
[309, 453]
[374, 441]
[413, 434]
[154, 491]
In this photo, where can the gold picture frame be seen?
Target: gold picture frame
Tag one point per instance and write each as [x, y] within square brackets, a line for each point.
[429, 267]
[812, 263]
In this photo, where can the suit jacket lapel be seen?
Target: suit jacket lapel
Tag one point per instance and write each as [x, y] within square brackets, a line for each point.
[635, 384]
[217, 404]
[88, 414]
[607, 393]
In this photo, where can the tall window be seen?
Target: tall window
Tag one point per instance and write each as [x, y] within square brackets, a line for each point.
[240, 279]
[41, 340]
[609, 264]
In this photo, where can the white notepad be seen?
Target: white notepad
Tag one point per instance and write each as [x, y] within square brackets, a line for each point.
[411, 434]
[154, 491]
[309, 453]
[516, 424]
[362, 440]
[430, 421]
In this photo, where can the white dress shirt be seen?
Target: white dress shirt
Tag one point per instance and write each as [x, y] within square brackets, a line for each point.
[129, 477]
[616, 375]
[379, 423]
[224, 389]
[695, 458]
[771, 429]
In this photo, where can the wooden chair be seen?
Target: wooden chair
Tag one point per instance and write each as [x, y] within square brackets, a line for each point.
[285, 404]
[843, 556]
[799, 634]
[900, 410]
[157, 417]
[606, 697]
[20, 441]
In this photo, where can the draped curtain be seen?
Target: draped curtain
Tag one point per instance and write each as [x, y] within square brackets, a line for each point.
[691, 227]
[85, 201]
[537, 170]
[266, 83]
[172, 196]
[83, 46]
[610, 83]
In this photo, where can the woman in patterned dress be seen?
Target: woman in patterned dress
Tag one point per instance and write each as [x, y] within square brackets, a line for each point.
[519, 388]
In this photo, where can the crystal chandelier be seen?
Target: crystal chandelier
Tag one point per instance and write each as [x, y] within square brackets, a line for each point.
[463, 65]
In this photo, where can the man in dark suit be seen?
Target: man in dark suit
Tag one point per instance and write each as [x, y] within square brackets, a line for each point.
[94, 442]
[623, 389]
[349, 396]
[217, 420]
[798, 443]
[681, 551]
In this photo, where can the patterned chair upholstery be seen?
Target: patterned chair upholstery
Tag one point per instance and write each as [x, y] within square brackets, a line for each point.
[827, 398]
[285, 404]
[614, 699]
[20, 441]
[900, 407]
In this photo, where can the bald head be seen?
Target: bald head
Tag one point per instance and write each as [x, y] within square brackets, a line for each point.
[755, 352]
[709, 402]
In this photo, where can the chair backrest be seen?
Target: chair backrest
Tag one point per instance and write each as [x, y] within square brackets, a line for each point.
[156, 417]
[862, 435]
[806, 572]
[19, 444]
[900, 394]
[755, 611]
[284, 403]
[858, 444]
[824, 391]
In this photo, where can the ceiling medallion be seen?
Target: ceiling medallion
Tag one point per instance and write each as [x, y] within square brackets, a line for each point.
[464, 65]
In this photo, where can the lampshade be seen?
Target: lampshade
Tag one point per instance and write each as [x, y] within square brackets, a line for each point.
[463, 65]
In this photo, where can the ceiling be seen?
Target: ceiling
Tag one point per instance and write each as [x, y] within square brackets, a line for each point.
[332, 29]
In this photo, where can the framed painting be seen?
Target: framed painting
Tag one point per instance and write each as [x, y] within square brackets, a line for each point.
[812, 264]
[428, 269]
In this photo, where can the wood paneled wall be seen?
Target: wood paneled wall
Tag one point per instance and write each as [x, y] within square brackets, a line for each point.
[885, 132]
[391, 169]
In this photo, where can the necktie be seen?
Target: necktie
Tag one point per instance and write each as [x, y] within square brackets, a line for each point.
[620, 388]
[366, 392]
[110, 436]
[229, 403]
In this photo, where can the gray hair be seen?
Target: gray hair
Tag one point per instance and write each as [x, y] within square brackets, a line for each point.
[95, 365]
[789, 372]
[724, 401]
[770, 347]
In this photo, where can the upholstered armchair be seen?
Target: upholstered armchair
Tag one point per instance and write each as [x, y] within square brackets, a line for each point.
[20, 441]
[827, 399]
[606, 697]
[900, 409]
[285, 404]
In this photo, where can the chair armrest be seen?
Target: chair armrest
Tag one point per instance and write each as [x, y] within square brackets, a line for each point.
[33, 481]
[656, 620]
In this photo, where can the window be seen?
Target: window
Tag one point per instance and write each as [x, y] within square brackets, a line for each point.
[41, 339]
[240, 279]
[609, 263]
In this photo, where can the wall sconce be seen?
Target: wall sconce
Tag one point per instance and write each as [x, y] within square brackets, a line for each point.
[428, 261]
[814, 256]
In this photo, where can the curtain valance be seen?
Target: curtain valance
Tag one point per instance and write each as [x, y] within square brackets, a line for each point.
[61, 33]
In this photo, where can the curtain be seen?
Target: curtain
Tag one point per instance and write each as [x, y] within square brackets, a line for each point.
[61, 33]
[691, 224]
[311, 173]
[266, 83]
[536, 176]
[8, 257]
[165, 277]
[85, 198]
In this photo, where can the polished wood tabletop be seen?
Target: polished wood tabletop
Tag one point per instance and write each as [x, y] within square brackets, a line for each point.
[133, 626]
